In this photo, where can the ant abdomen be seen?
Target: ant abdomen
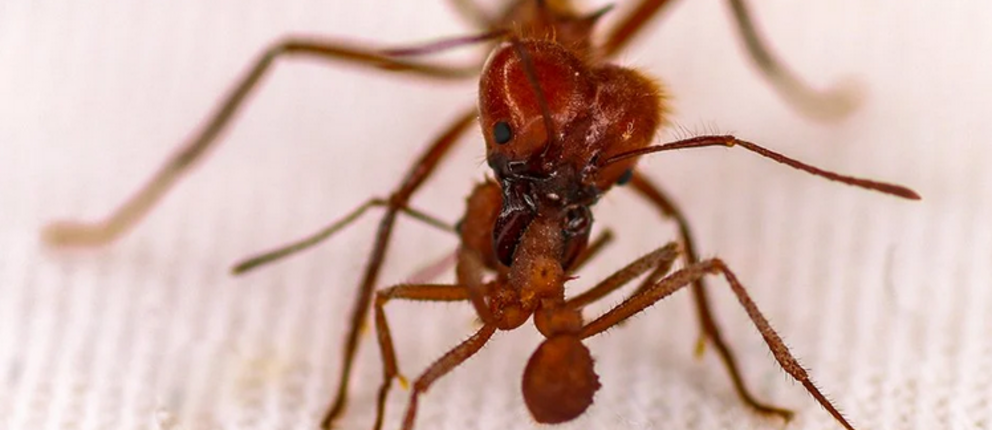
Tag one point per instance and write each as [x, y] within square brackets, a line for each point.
[559, 381]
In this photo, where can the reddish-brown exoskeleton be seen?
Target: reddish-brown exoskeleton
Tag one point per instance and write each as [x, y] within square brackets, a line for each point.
[562, 126]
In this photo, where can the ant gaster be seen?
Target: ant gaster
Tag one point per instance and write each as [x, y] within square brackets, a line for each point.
[562, 126]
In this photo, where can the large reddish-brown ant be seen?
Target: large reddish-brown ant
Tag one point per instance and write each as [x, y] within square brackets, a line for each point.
[562, 126]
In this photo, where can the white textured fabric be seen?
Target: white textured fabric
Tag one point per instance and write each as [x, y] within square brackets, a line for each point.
[886, 301]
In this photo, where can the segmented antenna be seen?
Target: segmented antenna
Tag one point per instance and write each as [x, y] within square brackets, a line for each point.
[731, 141]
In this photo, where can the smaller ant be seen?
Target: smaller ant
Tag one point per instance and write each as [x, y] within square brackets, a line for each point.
[562, 126]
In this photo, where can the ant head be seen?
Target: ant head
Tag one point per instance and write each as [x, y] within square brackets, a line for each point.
[543, 110]
[531, 93]
[548, 119]
[559, 381]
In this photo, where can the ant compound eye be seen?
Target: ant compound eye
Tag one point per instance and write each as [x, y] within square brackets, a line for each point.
[502, 132]
[625, 177]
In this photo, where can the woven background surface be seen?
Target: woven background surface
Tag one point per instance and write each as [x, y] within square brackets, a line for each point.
[886, 301]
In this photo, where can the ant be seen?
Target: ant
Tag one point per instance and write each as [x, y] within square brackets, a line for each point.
[562, 126]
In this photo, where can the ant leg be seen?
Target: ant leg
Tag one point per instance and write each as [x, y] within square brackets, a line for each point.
[630, 25]
[688, 276]
[442, 366]
[411, 182]
[325, 233]
[470, 11]
[469, 272]
[661, 258]
[594, 248]
[833, 104]
[126, 216]
[421, 292]
[710, 329]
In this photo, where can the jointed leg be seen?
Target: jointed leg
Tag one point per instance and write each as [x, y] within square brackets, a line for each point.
[647, 190]
[472, 13]
[400, 197]
[442, 366]
[630, 25]
[710, 329]
[470, 287]
[834, 104]
[661, 258]
[423, 292]
[688, 276]
[326, 232]
[126, 216]
[829, 105]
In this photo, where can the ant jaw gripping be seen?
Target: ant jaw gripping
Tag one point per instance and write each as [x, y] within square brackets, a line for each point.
[560, 197]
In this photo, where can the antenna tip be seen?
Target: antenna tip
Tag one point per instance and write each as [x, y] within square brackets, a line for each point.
[911, 195]
[900, 191]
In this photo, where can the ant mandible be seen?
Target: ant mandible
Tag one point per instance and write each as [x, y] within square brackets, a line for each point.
[562, 126]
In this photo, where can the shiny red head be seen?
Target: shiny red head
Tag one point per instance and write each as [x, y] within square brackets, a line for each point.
[550, 119]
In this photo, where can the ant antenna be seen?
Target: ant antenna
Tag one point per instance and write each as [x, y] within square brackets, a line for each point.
[730, 141]
[445, 44]
[542, 101]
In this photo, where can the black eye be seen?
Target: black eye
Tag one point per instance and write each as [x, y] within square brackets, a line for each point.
[502, 132]
[625, 177]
